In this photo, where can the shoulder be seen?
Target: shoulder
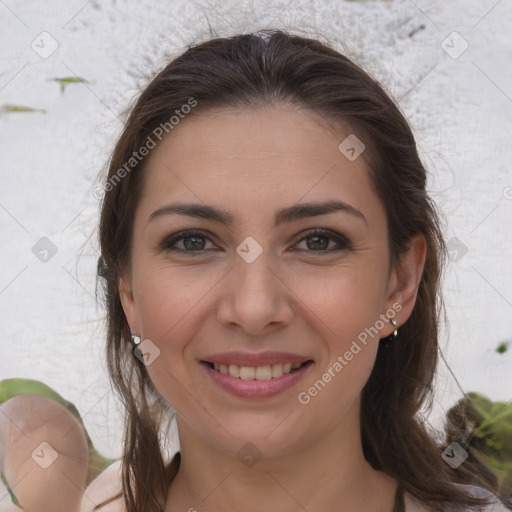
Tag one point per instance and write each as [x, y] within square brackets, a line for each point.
[105, 491]
[495, 505]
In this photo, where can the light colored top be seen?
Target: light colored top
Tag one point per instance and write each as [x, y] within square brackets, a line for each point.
[108, 484]
[412, 505]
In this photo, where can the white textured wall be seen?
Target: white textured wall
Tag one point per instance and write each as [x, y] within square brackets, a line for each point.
[460, 109]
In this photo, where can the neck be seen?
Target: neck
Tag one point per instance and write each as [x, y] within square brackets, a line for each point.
[329, 474]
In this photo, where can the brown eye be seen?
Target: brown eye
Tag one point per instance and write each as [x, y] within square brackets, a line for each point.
[316, 240]
[319, 240]
[186, 241]
[193, 242]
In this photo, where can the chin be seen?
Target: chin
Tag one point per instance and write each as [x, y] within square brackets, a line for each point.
[254, 435]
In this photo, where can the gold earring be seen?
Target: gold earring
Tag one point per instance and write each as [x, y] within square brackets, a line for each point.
[395, 332]
[388, 339]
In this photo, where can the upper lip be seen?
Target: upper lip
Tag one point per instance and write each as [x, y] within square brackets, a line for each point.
[252, 359]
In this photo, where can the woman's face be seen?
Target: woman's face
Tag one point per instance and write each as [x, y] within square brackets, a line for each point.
[230, 310]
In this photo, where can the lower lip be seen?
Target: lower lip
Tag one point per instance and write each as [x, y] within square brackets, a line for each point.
[256, 388]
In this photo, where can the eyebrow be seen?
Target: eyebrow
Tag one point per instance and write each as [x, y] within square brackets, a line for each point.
[289, 214]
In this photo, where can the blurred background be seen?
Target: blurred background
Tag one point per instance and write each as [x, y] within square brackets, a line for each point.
[68, 72]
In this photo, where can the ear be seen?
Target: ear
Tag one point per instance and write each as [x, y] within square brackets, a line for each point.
[404, 282]
[128, 302]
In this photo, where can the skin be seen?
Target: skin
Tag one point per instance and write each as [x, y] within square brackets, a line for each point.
[293, 298]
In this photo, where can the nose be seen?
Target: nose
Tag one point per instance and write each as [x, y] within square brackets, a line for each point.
[255, 298]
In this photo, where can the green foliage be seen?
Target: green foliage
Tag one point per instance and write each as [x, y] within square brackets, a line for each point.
[20, 108]
[502, 347]
[70, 80]
[13, 498]
[491, 437]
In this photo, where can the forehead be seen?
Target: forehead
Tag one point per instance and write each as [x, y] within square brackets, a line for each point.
[253, 159]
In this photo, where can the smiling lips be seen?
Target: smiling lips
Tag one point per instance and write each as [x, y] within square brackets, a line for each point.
[256, 375]
[266, 372]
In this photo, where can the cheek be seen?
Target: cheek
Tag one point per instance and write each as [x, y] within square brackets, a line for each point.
[168, 305]
[346, 308]
[167, 297]
[173, 305]
[345, 301]
[347, 311]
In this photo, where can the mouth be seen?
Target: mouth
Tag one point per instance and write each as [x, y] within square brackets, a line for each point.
[256, 376]
[266, 372]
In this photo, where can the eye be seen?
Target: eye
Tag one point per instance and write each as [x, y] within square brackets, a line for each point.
[195, 241]
[190, 241]
[319, 239]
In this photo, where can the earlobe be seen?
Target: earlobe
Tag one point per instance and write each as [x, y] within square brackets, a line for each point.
[406, 279]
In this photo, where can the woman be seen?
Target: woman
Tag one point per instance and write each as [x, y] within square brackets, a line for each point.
[281, 221]
[271, 263]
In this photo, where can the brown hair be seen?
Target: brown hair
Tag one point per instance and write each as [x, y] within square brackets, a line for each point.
[268, 68]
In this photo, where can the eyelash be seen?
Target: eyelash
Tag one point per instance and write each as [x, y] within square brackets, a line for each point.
[343, 243]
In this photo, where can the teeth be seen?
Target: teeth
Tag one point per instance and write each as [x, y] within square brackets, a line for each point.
[258, 373]
[263, 373]
[278, 370]
[234, 370]
[247, 372]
